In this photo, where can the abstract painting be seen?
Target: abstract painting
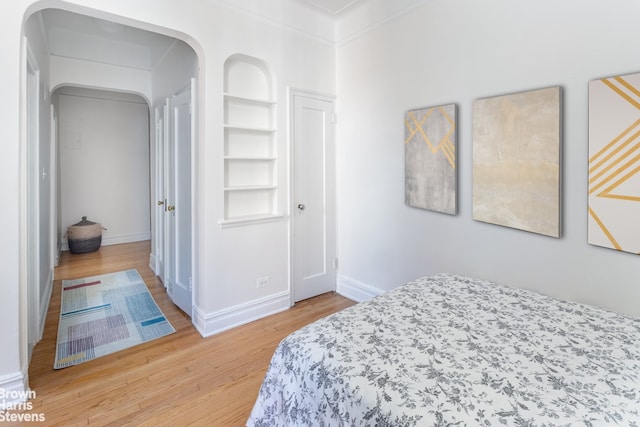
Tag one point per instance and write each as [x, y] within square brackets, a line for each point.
[614, 163]
[430, 159]
[516, 160]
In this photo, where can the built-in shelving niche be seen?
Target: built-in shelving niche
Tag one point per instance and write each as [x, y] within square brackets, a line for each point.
[250, 144]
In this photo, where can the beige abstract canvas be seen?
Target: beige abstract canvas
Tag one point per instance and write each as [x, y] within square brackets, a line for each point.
[430, 159]
[614, 163]
[516, 160]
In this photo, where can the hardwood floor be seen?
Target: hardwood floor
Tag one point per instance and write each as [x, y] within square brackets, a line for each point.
[181, 379]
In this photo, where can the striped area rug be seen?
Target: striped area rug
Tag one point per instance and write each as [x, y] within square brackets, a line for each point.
[103, 314]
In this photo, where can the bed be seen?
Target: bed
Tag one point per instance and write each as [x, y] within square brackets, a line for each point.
[448, 350]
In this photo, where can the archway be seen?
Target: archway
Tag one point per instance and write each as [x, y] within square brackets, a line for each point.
[57, 68]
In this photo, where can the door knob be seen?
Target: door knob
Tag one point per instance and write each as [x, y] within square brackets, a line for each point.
[301, 206]
[171, 208]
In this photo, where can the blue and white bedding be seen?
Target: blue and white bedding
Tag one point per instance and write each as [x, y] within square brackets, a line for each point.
[448, 350]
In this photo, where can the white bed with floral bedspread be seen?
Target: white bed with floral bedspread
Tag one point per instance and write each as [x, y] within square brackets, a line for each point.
[447, 350]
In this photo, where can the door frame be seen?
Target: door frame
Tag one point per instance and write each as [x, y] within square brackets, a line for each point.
[292, 92]
[158, 202]
[32, 200]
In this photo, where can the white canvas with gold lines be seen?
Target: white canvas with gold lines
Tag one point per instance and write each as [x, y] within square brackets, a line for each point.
[430, 159]
[614, 163]
[516, 160]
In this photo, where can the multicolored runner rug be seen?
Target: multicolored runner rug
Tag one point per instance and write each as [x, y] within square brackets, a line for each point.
[103, 314]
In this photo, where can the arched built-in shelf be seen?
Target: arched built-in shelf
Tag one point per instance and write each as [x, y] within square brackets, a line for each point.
[250, 152]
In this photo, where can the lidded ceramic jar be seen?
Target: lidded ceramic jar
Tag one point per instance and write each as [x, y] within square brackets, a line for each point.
[84, 236]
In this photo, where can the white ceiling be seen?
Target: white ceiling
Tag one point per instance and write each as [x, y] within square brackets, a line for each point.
[79, 36]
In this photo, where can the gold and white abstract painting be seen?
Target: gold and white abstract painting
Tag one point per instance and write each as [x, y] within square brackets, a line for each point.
[614, 163]
[430, 159]
[516, 160]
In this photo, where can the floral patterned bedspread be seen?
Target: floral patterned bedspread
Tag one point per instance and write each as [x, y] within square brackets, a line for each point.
[453, 351]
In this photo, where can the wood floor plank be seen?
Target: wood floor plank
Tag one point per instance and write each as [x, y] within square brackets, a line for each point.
[180, 379]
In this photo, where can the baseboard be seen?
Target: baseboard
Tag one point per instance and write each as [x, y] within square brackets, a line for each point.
[116, 240]
[126, 238]
[152, 263]
[355, 290]
[44, 304]
[213, 323]
[15, 389]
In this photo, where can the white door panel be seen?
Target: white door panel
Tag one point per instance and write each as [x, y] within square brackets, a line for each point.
[177, 213]
[182, 208]
[314, 208]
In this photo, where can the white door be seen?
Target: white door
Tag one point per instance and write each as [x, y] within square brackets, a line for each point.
[158, 232]
[314, 229]
[177, 235]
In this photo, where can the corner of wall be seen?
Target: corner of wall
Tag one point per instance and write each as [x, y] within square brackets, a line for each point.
[355, 290]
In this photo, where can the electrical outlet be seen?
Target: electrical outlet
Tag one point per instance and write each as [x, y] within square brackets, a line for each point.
[261, 282]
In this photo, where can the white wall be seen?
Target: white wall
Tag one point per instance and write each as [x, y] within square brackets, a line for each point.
[104, 162]
[71, 71]
[13, 362]
[173, 72]
[235, 257]
[455, 51]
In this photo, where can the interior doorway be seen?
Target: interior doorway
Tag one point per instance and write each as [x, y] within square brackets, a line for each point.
[92, 53]
[104, 157]
[314, 216]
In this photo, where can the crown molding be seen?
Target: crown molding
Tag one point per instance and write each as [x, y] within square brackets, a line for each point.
[289, 15]
[306, 19]
[365, 17]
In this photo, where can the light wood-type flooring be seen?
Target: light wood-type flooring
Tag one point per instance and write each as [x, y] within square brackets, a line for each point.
[178, 380]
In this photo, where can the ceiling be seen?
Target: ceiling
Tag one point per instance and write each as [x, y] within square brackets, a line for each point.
[72, 35]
